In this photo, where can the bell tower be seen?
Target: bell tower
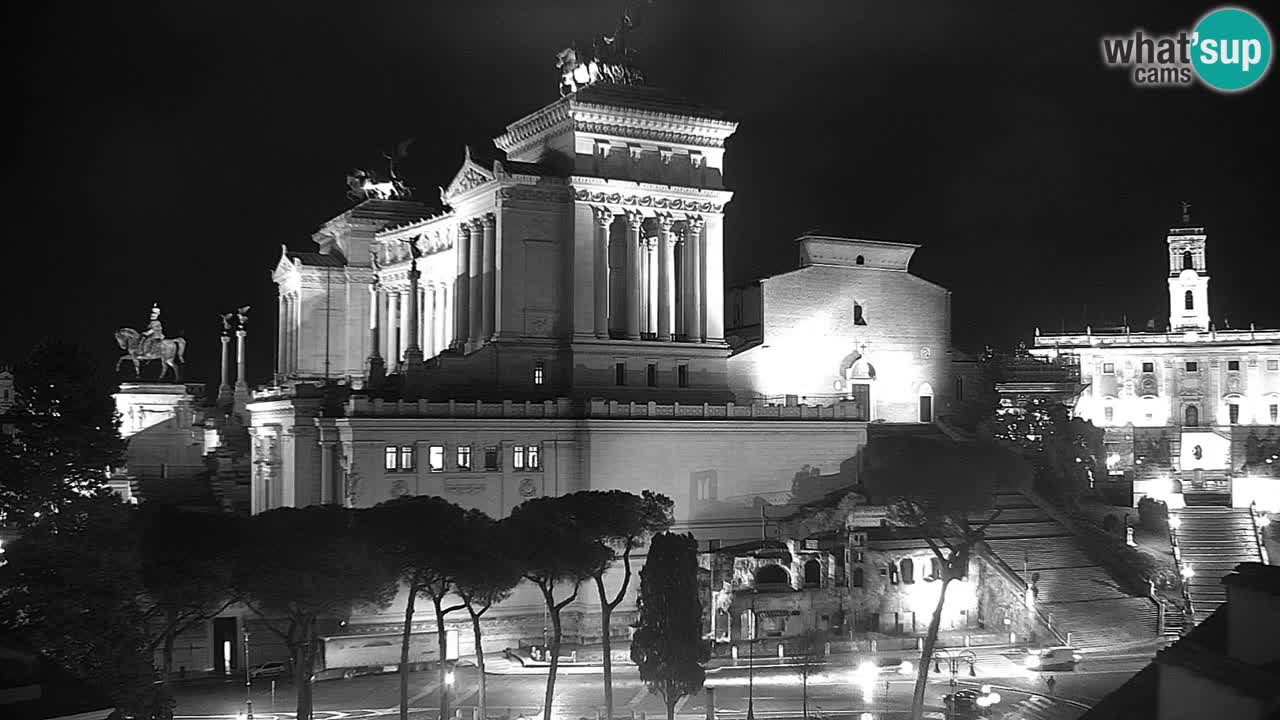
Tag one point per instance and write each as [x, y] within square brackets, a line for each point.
[1188, 276]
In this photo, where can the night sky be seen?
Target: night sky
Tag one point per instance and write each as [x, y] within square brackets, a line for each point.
[166, 150]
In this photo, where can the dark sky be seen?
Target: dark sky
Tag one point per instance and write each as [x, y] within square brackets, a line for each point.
[166, 149]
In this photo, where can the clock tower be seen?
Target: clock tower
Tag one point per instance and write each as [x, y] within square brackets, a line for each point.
[1188, 276]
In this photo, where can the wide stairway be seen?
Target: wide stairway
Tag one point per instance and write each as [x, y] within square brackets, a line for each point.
[1211, 542]
[1081, 598]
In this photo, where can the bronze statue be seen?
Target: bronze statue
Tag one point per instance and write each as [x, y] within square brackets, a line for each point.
[610, 61]
[242, 317]
[151, 345]
[365, 185]
[226, 323]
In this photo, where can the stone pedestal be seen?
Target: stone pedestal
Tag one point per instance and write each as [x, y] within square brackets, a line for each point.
[158, 420]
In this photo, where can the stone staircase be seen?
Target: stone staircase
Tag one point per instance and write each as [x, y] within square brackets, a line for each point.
[1211, 542]
[1036, 707]
[1080, 597]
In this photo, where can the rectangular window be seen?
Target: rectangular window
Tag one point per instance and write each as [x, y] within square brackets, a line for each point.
[406, 457]
[1233, 365]
[620, 373]
[1109, 368]
[959, 389]
[1273, 364]
[651, 375]
[682, 376]
[1148, 367]
[1193, 366]
[491, 458]
[517, 457]
[464, 457]
[1275, 413]
[539, 372]
[533, 457]
[391, 458]
[1233, 412]
[1109, 413]
[435, 458]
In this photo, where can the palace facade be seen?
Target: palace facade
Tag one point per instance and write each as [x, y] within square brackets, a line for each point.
[561, 325]
[1194, 408]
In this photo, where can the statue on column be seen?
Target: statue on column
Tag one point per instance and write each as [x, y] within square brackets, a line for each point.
[242, 317]
[151, 344]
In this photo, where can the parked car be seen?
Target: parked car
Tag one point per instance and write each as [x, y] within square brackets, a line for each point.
[963, 704]
[1063, 657]
[268, 670]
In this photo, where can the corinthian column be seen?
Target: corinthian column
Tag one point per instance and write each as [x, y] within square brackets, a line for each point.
[651, 259]
[377, 368]
[461, 293]
[634, 221]
[406, 307]
[713, 278]
[604, 219]
[666, 276]
[429, 321]
[490, 281]
[281, 337]
[693, 298]
[393, 322]
[475, 283]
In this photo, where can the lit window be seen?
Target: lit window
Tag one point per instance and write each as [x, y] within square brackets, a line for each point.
[539, 372]
[682, 376]
[651, 375]
[517, 457]
[390, 458]
[1233, 412]
[1275, 412]
[1109, 413]
[406, 457]
[620, 373]
[1193, 366]
[1233, 365]
[464, 457]
[1109, 368]
[1148, 367]
[533, 456]
[491, 458]
[435, 458]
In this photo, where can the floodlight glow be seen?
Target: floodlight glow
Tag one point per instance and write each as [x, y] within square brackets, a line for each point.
[1175, 522]
[448, 677]
[1263, 521]
[995, 698]
[906, 668]
[1113, 459]
[866, 667]
[1188, 572]
[985, 689]
[983, 701]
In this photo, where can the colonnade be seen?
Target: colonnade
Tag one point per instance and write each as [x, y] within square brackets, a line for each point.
[391, 309]
[290, 320]
[667, 279]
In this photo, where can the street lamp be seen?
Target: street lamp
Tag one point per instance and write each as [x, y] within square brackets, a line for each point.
[248, 679]
[953, 660]
[751, 665]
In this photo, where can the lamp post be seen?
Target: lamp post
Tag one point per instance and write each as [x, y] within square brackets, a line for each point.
[751, 681]
[248, 681]
[953, 660]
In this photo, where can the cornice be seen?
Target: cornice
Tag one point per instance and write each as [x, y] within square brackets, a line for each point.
[644, 196]
[534, 125]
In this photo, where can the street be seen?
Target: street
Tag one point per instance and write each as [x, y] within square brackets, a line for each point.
[777, 690]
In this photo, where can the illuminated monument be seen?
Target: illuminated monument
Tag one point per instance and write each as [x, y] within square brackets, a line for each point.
[560, 325]
[1194, 407]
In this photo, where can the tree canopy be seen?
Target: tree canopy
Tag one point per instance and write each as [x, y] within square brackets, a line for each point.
[65, 434]
[667, 646]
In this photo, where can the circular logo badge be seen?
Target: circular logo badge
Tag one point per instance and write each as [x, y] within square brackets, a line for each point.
[1231, 49]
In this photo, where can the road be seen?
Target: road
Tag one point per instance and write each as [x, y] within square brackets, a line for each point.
[777, 690]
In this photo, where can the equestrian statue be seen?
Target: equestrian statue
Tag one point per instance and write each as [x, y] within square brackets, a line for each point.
[151, 344]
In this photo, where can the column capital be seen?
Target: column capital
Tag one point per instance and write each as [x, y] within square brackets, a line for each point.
[635, 219]
[666, 222]
[603, 216]
[488, 220]
[694, 223]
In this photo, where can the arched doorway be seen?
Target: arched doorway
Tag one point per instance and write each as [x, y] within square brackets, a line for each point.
[859, 376]
[1191, 416]
[926, 402]
[773, 575]
[812, 573]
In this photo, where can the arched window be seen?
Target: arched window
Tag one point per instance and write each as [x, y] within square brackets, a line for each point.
[859, 577]
[772, 574]
[935, 568]
[858, 319]
[1188, 262]
[1191, 416]
[1189, 301]
[908, 571]
[813, 573]
[859, 260]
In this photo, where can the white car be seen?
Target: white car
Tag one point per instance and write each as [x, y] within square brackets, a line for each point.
[1060, 657]
[268, 670]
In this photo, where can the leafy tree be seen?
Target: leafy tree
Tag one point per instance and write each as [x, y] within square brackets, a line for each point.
[487, 575]
[621, 522]
[65, 434]
[934, 487]
[550, 546]
[70, 586]
[423, 538]
[667, 646]
[301, 566]
[186, 571]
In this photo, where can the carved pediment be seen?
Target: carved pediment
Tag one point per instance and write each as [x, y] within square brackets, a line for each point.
[470, 176]
[285, 266]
